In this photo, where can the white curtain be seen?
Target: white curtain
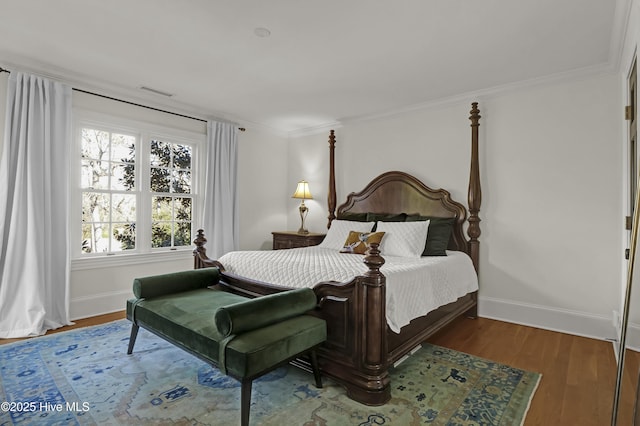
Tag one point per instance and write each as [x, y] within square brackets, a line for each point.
[220, 208]
[34, 207]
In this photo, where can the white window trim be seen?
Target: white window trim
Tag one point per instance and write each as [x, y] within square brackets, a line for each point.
[145, 131]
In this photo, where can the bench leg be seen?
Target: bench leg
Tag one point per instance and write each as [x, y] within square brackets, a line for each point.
[316, 369]
[132, 338]
[245, 401]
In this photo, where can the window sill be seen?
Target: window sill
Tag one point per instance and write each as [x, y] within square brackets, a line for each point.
[109, 261]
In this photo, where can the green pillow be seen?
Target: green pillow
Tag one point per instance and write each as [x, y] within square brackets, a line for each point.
[355, 217]
[263, 311]
[439, 234]
[386, 217]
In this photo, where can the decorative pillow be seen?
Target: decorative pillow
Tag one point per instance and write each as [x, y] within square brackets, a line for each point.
[358, 242]
[340, 228]
[440, 229]
[406, 239]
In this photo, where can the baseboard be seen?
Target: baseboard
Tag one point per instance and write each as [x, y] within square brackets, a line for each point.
[554, 319]
[98, 304]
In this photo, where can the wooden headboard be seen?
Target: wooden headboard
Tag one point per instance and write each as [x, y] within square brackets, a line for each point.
[398, 192]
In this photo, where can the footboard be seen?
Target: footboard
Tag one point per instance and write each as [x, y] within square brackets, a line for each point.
[355, 353]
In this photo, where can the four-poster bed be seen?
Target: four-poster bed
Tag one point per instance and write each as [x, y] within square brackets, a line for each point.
[361, 347]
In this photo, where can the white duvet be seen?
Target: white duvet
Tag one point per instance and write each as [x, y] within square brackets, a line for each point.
[415, 286]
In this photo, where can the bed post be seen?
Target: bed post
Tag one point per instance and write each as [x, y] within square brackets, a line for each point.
[200, 259]
[200, 251]
[331, 198]
[475, 199]
[475, 192]
[373, 381]
[376, 350]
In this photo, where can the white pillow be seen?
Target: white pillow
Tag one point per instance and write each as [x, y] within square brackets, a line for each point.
[339, 231]
[406, 239]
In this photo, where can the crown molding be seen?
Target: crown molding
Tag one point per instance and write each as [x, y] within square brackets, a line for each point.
[488, 93]
[621, 21]
[315, 130]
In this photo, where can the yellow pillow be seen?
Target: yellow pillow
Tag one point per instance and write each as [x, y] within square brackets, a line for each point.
[358, 242]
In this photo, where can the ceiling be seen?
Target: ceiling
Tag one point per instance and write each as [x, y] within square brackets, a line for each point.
[324, 62]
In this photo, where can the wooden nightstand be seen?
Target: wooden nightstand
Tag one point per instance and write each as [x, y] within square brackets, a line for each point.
[291, 239]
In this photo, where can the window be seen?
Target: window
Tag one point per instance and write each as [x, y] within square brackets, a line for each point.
[170, 184]
[137, 189]
[108, 191]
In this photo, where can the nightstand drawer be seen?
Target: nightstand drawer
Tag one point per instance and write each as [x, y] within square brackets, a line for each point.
[291, 239]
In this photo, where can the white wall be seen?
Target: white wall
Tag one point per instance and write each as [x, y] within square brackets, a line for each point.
[263, 187]
[552, 207]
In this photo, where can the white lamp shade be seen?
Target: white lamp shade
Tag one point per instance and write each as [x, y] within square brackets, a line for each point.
[302, 191]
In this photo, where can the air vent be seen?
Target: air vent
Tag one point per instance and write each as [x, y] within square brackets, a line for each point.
[156, 91]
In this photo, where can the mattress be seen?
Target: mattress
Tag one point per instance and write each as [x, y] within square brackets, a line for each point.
[415, 286]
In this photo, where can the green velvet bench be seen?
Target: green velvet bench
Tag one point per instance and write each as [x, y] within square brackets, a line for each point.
[244, 338]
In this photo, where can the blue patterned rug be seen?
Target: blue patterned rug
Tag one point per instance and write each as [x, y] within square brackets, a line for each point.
[85, 377]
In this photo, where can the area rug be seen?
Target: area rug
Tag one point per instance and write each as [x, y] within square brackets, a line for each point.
[85, 377]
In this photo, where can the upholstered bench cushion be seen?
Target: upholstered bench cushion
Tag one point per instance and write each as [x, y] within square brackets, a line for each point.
[184, 318]
[248, 315]
[160, 285]
[187, 319]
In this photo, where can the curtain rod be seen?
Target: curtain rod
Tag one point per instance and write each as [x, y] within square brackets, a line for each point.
[242, 129]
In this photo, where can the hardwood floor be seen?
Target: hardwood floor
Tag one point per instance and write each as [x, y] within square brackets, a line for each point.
[86, 322]
[578, 374]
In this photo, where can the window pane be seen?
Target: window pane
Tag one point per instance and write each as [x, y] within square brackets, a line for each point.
[95, 174]
[125, 236]
[95, 144]
[123, 148]
[160, 234]
[95, 207]
[181, 156]
[124, 178]
[95, 238]
[183, 234]
[161, 208]
[181, 182]
[123, 208]
[160, 154]
[87, 239]
[160, 180]
[183, 209]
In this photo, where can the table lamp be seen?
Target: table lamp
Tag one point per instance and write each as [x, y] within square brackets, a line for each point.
[302, 193]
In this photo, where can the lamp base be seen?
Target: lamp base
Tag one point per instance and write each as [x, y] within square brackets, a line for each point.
[303, 214]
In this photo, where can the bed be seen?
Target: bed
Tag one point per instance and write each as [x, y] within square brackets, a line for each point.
[364, 339]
